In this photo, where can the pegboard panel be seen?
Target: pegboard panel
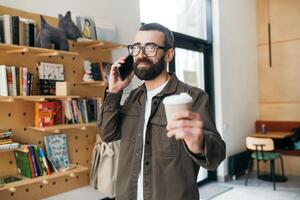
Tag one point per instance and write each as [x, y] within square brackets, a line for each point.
[19, 115]
[40, 190]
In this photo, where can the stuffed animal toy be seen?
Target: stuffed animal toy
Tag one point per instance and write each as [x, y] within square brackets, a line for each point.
[58, 36]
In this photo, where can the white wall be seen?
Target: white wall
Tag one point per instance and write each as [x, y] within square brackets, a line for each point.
[236, 76]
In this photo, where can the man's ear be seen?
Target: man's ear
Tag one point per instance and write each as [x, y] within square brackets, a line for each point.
[169, 55]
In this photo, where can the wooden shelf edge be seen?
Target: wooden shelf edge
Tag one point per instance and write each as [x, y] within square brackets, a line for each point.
[25, 180]
[92, 83]
[11, 48]
[57, 128]
[35, 98]
[102, 45]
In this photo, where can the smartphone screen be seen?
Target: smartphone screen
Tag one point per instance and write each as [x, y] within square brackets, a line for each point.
[126, 68]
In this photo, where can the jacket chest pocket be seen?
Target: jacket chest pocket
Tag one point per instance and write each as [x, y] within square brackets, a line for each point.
[129, 122]
[162, 144]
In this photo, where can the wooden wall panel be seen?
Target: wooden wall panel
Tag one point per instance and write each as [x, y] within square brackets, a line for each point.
[262, 8]
[280, 83]
[280, 112]
[284, 17]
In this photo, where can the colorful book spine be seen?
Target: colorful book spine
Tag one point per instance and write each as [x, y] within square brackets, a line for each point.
[42, 156]
[31, 164]
[34, 162]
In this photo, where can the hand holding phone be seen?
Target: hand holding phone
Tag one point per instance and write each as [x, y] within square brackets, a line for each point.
[126, 68]
[120, 74]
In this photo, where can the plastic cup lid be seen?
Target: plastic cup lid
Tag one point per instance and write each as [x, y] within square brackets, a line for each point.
[178, 99]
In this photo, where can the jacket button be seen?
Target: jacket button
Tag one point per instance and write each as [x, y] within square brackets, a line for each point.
[147, 142]
[147, 163]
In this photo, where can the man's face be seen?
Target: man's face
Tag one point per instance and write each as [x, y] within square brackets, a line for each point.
[146, 67]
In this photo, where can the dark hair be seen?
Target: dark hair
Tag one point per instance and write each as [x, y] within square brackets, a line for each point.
[169, 38]
[86, 20]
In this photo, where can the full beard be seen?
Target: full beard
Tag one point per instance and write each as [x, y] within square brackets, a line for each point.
[154, 70]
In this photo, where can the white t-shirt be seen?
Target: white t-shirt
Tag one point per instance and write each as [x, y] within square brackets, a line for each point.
[150, 95]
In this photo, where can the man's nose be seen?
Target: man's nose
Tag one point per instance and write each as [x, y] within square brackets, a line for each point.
[142, 53]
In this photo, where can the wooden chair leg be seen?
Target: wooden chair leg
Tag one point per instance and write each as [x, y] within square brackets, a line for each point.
[248, 170]
[273, 173]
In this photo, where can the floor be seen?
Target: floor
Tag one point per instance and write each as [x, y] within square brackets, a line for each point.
[256, 189]
[260, 190]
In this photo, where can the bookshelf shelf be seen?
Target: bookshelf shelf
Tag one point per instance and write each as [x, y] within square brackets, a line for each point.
[12, 187]
[40, 52]
[35, 98]
[93, 83]
[9, 150]
[57, 128]
[103, 45]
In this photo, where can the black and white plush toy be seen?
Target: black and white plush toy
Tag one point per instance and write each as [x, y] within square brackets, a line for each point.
[58, 36]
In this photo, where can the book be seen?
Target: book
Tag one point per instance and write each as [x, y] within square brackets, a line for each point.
[44, 114]
[2, 39]
[14, 80]
[68, 112]
[8, 179]
[5, 147]
[22, 162]
[9, 79]
[34, 161]
[3, 81]
[15, 30]
[57, 150]
[7, 29]
[106, 30]
[43, 159]
[6, 141]
[87, 27]
[49, 74]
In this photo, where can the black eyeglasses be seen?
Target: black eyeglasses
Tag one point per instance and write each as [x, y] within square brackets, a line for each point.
[149, 49]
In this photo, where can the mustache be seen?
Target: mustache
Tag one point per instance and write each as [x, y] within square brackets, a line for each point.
[143, 60]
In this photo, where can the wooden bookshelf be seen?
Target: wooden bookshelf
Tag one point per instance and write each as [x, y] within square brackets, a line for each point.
[36, 98]
[41, 52]
[72, 173]
[9, 150]
[103, 45]
[93, 83]
[17, 112]
[57, 128]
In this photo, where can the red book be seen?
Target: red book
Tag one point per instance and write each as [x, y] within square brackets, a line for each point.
[30, 164]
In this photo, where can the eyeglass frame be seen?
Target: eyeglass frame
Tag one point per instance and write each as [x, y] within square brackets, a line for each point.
[142, 47]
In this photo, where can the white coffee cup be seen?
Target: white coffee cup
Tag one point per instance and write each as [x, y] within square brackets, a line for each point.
[176, 103]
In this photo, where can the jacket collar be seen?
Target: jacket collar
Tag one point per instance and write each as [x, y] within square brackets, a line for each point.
[168, 89]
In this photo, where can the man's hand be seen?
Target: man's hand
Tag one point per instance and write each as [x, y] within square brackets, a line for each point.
[115, 83]
[188, 126]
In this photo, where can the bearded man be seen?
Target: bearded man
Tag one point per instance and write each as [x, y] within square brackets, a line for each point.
[158, 160]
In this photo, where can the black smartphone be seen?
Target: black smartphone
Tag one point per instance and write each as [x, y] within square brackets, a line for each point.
[126, 68]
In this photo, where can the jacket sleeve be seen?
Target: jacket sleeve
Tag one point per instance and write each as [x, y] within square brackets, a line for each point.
[214, 146]
[109, 118]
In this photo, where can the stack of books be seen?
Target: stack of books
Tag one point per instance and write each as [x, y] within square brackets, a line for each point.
[15, 81]
[75, 111]
[17, 30]
[32, 162]
[6, 143]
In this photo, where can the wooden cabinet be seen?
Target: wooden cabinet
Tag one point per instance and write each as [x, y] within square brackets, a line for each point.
[279, 87]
